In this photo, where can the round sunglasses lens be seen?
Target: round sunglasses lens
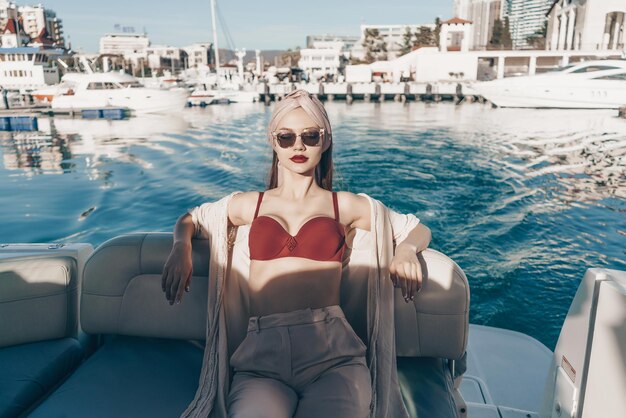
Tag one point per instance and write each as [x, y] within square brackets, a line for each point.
[286, 139]
[310, 138]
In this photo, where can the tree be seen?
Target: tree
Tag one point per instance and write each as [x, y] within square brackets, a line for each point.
[425, 37]
[496, 35]
[375, 46]
[290, 57]
[538, 39]
[437, 31]
[507, 42]
[407, 42]
[501, 35]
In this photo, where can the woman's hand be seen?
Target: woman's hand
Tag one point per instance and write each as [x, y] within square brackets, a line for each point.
[406, 271]
[177, 272]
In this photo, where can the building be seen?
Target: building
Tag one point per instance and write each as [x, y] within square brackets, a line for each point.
[348, 41]
[200, 54]
[455, 35]
[124, 43]
[33, 23]
[38, 21]
[393, 35]
[586, 25]
[29, 68]
[130, 47]
[8, 11]
[324, 59]
[526, 18]
[165, 57]
[13, 35]
[483, 14]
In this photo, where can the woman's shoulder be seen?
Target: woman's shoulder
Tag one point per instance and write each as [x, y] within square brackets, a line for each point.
[354, 210]
[351, 199]
[241, 207]
[245, 196]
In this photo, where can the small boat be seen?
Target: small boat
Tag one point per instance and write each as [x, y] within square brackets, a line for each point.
[599, 84]
[115, 90]
[89, 333]
[204, 95]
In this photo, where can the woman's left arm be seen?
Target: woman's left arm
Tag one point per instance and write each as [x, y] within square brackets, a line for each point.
[405, 268]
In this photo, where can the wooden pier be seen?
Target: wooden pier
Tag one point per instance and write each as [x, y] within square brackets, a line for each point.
[372, 92]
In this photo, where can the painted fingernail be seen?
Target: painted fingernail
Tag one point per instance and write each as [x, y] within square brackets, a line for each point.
[187, 289]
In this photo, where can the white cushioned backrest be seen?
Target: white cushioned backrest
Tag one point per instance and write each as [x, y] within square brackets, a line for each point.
[38, 299]
[436, 323]
[122, 294]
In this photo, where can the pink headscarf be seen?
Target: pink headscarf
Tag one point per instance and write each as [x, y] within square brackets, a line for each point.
[310, 104]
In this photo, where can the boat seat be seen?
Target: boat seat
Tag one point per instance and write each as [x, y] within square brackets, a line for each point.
[129, 377]
[30, 371]
[150, 356]
[149, 346]
[39, 344]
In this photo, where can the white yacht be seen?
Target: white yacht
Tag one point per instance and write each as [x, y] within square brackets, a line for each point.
[585, 85]
[115, 90]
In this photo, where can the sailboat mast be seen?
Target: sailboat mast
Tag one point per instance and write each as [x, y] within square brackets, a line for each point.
[217, 51]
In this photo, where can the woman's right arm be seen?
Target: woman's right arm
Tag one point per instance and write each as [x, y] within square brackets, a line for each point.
[178, 267]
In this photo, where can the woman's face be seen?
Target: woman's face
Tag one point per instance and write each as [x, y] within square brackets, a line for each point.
[300, 158]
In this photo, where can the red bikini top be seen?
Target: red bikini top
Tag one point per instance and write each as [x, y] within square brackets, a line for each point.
[321, 238]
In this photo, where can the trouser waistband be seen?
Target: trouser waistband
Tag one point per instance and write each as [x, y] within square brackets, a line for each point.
[301, 316]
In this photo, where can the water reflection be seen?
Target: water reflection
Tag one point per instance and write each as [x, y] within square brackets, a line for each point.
[59, 141]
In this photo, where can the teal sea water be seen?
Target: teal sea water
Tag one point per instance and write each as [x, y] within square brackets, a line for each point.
[523, 200]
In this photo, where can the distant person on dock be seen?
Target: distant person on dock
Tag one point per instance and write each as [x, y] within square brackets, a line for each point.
[301, 284]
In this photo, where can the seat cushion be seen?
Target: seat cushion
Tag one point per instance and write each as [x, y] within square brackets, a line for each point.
[129, 377]
[29, 371]
[427, 385]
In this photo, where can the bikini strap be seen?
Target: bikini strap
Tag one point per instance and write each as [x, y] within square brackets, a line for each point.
[336, 206]
[258, 204]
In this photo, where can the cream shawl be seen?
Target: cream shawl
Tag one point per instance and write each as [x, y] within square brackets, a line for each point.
[366, 298]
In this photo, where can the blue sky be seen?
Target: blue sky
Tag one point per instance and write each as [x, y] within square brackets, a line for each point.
[253, 24]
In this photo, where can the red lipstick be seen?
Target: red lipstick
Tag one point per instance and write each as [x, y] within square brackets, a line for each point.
[299, 159]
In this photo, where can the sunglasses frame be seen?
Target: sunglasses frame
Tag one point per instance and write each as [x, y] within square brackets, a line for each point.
[319, 141]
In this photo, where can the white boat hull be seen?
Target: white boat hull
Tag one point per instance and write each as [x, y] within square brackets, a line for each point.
[551, 96]
[139, 100]
[586, 85]
[206, 97]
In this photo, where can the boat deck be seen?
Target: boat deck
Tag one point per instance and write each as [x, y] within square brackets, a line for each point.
[506, 373]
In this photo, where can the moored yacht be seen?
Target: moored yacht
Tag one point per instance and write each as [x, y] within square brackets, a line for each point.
[586, 85]
[114, 90]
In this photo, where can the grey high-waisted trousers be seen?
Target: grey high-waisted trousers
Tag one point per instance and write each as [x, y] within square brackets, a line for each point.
[305, 363]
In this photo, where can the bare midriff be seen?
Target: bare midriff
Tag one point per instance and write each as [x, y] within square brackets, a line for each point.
[292, 283]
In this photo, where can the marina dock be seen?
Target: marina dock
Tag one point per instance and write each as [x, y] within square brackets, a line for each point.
[407, 91]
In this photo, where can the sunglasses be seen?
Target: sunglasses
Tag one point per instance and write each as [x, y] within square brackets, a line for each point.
[310, 137]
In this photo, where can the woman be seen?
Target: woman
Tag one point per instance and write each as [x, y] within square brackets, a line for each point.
[300, 357]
